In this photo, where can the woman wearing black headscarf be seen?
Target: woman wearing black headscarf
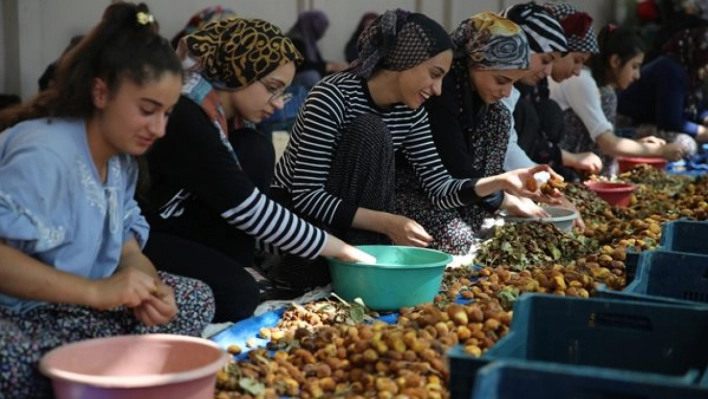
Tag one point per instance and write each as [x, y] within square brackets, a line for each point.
[206, 203]
[338, 169]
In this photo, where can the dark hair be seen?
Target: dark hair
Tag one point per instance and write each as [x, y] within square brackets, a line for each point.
[614, 40]
[124, 45]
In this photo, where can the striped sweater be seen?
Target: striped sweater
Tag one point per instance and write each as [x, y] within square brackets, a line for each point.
[193, 161]
[328, 110]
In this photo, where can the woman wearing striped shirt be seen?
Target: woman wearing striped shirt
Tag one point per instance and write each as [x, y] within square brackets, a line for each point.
[206, 202]
[338, 168]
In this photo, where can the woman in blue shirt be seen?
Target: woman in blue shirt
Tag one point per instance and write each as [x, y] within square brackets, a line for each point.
[71, 265]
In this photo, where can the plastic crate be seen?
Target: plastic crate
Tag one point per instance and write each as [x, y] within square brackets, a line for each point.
[664, 276]
[517, 380]
[685, 236]
[653, 340]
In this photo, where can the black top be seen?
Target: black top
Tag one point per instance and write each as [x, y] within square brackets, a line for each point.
[194, 160]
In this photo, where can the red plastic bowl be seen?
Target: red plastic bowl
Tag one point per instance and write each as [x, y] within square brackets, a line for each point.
[135, 367]
[616, 194]
[627, 163]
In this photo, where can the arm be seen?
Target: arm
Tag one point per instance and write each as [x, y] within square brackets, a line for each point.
[193, 155]
[516, 157]
[583, 96]
[620, 146]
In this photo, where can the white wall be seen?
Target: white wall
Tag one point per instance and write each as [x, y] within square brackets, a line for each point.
[35, 32]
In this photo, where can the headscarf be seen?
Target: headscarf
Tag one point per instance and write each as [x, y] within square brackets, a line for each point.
[690, 48]
[577, 26]
[230, 55]
[203, 17]
[398, 40]
[235, 53]
[543, 31]
[489, 41]
[310, 27]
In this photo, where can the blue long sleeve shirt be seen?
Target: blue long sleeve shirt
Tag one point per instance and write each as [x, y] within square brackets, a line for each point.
[659, 97]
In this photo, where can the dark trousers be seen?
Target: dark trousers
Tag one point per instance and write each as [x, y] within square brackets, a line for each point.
[362, 173]
[200, 244]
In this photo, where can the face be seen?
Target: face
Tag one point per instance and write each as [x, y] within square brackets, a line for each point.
[541, 67]
[262, 98]
[568, 66]
[134, 116]
[417, 84]
[493, 86]
[629, 72]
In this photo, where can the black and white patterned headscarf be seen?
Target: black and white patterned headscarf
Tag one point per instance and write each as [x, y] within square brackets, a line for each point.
[489, 41]
[577, 26]
[543, 31]
[398, 40]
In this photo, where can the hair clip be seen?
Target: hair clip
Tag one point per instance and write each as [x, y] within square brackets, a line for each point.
[145, 18]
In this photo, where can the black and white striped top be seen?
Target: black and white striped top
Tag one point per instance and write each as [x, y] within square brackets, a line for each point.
[192, 166]
[329, 108]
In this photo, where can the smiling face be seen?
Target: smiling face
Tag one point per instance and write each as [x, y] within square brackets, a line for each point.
[541, 67]
[262, 98]
[493, 86]
[133, 116]
[568, 66]
[417, 84]
[625, 74]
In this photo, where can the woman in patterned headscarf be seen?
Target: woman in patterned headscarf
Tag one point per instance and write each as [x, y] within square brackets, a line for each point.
[667, 100]
[207, 201]
[338, 169]
[470, 128]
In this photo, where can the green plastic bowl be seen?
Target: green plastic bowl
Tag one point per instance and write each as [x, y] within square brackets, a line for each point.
[401, 277]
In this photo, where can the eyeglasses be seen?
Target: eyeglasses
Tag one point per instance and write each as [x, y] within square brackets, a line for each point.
[279, 94]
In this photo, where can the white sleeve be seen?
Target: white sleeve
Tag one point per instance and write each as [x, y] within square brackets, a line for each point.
[516, 157]
[582, 95]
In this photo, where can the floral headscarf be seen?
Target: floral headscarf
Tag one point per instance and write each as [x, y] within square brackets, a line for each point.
[489, 41]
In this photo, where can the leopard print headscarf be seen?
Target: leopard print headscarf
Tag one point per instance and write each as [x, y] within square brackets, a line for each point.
[234, 53]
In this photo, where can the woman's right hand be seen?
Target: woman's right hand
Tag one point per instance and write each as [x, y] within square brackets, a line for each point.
[672, 152]
[339, 249]
[128, 286]
[407, 232]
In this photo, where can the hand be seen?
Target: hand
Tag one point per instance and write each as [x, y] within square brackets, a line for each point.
[159, 309]
[406, 232]
[516, 182]
[337, 248]
[128, 286]
[672, 152]
[652, 140]
[524, 207]
[588, 161]
[578, 223]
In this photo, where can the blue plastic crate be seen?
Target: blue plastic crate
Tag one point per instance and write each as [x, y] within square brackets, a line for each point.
[518, 380]
[665, 276]
[648, 340]
[685, 236]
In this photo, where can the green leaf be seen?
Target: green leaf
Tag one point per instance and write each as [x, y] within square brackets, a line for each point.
[555, 252]
[251, 386]
[357, 313]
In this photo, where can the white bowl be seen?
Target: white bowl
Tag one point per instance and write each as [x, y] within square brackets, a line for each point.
[562, 217]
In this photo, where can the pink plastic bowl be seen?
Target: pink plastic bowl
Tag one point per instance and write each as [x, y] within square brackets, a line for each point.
[616, 194]
[627, 163]
[135, 367]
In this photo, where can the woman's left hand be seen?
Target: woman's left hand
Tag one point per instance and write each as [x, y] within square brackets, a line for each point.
[158, 309]
[524, 207]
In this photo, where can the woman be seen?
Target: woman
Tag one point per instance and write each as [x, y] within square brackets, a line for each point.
[207, 199]
[71, 266]
[338, 168]
[309, 28]
[470, 128]
[590, 105]
[538, 121]
[667, 101]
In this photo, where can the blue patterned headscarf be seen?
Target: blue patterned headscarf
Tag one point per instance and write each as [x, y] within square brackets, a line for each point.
[398, 40]
[491, 42]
